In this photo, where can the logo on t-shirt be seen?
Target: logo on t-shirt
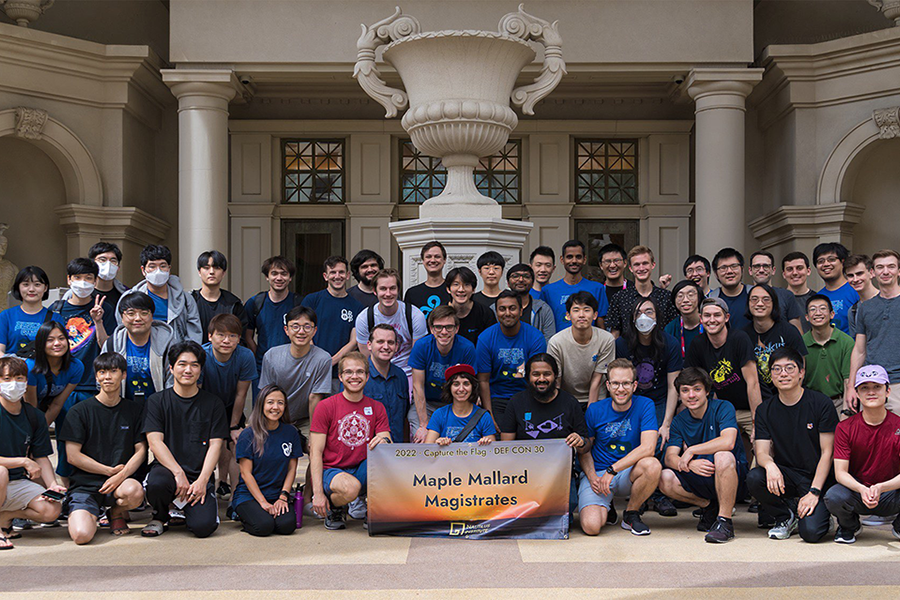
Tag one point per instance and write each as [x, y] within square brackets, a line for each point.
[548, 426]
[287, 448]
[723, 374]
[353, 430]
[80, 332]
[809, 425]
[346, 315]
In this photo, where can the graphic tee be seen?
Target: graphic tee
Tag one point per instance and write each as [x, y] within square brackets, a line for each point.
[58, 382]
[18, 328]
[445, 422]
[505, 357]
[348, 428]
[533, 420]
[83, 337]
[724, 365]
[426, 357]
[652, 372]
[427, 298]
[336, 318]
[841, 300]
[618, 433]
[557, 293]
[780, 334]
[269, 468]
[140, 380]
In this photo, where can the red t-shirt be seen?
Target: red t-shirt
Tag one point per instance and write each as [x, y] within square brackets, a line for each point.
[348, 428]
[873, 450]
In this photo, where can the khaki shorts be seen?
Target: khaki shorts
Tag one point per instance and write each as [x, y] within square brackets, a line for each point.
[19, 495]
[302, 426]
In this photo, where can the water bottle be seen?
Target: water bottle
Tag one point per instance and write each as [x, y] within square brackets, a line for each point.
[298, 505]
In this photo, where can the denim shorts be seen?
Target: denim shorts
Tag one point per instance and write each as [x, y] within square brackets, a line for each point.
[359, 471]
[93, 502]
[620, 486]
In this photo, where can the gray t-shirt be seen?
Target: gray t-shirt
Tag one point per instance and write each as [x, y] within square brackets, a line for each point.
[801, 301]
[299, 377]
[788, 304]
[879, 320]
[398, 322]
[578, 363]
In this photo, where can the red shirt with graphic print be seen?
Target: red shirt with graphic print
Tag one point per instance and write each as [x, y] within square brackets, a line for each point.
[348, 428]
[873, 450]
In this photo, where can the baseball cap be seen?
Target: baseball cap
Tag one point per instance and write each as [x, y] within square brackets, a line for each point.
[874, 373]
[715, 302]
[458, 368]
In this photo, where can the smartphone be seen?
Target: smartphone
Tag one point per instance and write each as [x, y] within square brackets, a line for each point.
[54, 496]
[179, 504]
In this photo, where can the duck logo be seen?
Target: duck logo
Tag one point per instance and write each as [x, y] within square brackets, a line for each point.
[287, 448]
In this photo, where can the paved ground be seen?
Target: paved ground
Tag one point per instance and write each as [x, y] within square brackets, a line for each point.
[615, 564]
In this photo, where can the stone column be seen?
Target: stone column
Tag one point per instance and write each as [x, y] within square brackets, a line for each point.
[720, 96]
[203, 96]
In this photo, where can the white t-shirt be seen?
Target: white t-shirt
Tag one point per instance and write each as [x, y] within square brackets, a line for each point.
[578, 363]
[398, 322]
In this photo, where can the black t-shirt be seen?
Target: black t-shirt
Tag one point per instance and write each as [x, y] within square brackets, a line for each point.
[612, 290]
[106, 434]
[478, 319]
[187, 425]
[367, 299]
[724, 365]
[794, 430]
[427, 298]
[19, 432]
[780, 334]
[227, 303]
[111, 297]
[486, 301]
[533, 420]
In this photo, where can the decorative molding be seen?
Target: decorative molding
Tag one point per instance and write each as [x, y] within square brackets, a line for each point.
[836, 172]
[889, 8]
[30, 122]
[108, 222]
[25, 12]
[888, 122]
[790, 223]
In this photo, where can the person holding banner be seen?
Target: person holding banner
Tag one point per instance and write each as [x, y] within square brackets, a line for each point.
[343, 427]
[460, 421]
[621, 461]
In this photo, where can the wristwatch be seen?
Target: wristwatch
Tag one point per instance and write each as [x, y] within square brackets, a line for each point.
[286, 494]
[611, 471]
[815, 491]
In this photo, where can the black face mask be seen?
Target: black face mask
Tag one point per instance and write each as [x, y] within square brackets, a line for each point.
[544, 396]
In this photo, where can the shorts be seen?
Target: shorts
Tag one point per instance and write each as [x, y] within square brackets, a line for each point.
[302, 425]
[20, 493]
[93, 502]
[359, 471]
[705, 487]
[620, 486]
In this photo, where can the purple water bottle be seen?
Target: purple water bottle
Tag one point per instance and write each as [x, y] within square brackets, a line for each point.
[298, 505]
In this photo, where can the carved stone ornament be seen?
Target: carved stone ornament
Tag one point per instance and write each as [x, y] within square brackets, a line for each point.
[25, 12]
[888, 122]
[889, 8]
[30, 122]
[458, 87]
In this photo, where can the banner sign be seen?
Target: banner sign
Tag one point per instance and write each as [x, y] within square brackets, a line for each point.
[501, 490]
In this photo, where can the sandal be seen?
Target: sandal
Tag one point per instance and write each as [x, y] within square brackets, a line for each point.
[119, 527]
[10, 533]
[5, 544]
[154, 529]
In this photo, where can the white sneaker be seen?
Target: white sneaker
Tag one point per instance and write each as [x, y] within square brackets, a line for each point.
[876, 521]
[308, 511]
[785, 529]
[357, 509]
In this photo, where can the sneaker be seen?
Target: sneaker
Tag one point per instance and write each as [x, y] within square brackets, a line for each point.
[631, 521]
[664, 506]
[357, 509]
[765, 521]
[785, 529]
[308, 511]
[697, 513]
[51, 524]
[876, 521]
[708, 516]
[895, 529]
[223, 492]
[845, 536]
[335, 519]
[21, 524]
[722, 531]
[612, 516]
[754, 506]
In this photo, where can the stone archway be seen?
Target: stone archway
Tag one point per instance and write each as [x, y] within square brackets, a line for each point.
[69, 154]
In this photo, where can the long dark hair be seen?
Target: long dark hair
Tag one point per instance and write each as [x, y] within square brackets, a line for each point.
[257, 420]
[776, 308]
[41, 360]
[657, 339]
[447, 395]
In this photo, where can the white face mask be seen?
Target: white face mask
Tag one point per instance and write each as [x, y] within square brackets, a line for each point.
[158, 277]
[13, 390]
[108, 271]
[645, 324]
[82, 289]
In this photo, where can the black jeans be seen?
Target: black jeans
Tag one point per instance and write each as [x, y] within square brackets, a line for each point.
[847, 506]
[814, 526]
[258, 522]
[201, 519]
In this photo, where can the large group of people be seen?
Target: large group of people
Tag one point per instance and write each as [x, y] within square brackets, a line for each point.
[784, 399]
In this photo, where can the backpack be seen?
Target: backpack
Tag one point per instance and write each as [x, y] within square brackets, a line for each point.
[27, 351]
[260, 299]
[370, 320]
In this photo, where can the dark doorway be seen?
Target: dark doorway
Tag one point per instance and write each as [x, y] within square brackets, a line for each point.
[307, 243]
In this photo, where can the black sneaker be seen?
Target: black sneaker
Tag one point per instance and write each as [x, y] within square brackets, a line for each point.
[708, 516]
[631, 521]
[664, 506]
[754, 506]
[223, 492]
[722, 531]
[698, 512]
[335, 519]
[847, 536]
[612, 517]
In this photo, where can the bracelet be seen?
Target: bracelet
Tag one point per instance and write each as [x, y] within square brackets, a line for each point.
[815, 491]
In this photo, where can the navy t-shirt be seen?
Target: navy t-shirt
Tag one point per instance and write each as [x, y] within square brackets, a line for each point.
[618, 433]
[426, 357]
[18, 328]
[652, 373]
[58, 382]
[17, 434]
[140, 379]
[557, 293]
[737, 308]
[688, 431]
[269, 323]
[271, 468]
[83, 337]
[222, 378]
[505, 357]
[445, 422]
[336, 318]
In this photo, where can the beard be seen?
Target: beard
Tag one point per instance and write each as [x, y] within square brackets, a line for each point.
[544, 396]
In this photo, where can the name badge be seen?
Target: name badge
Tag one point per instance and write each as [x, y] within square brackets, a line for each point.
[367, 410]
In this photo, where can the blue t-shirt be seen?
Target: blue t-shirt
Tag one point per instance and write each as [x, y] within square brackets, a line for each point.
[160, 307]
[426, 357]
[618, 433]
[393, 393]
[558, 292]
[269, 323]
[270, 469]
[83, 337]
[58, 382]
[17, 327]
[336, 318]
[737, 308]
[535, 293]
[140, 378]
[652, 373]
[222, 378]
[688, 431]
[841, 300]
[445, 422]
[504, 357]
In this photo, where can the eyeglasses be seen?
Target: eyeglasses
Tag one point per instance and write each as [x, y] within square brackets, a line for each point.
[132, 313]
[818, 309]
[826, 260]
[356, 373]
[444, 327]
[297, 327]
[789, 369]
[620, 384]
[697, 271]
[684, 295]
[723, 268]
[614, 261]
[102, 260]
[760, 300]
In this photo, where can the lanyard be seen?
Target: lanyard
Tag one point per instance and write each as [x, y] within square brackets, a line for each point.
[681, 322]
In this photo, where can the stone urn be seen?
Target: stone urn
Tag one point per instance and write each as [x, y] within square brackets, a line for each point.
[25, 12]
[459, 85]
[889, 8]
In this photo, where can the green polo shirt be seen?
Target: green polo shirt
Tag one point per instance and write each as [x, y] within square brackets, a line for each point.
[828, 364]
